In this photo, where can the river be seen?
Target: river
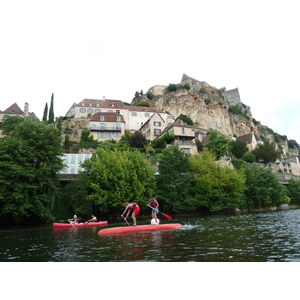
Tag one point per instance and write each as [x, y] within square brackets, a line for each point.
[246, 237]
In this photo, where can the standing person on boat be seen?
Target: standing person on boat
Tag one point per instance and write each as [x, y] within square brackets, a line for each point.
[74, 220]
[93, 219]
[154, 205]
[131, 207]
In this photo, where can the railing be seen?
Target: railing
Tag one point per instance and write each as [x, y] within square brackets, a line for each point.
[285, 178]
[107, 128]
[185, 143]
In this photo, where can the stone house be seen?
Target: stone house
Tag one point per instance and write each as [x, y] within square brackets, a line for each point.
[154, 126]
[107, 125]
[184, 136]
[251, 139]
[134, 116]
[14, 110]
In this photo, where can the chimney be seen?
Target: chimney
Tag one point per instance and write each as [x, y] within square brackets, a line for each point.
[26, 112]
[103, 98]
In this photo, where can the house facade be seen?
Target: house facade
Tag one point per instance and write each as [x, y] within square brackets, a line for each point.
[134, 116]
[184, 136]
[155, 125]
[107, 125]
[251, 139]
[14, 110]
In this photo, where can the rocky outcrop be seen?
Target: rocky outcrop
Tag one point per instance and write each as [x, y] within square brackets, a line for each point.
[205, 105]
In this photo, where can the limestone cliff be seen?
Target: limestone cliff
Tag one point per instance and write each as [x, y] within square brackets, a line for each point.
[206, 105]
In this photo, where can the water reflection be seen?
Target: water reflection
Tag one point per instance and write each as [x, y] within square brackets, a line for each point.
[271, 236]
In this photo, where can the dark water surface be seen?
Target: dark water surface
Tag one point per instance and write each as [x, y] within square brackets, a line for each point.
[252, 237]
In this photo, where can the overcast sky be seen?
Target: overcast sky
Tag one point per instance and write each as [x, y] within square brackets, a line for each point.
[90, 49]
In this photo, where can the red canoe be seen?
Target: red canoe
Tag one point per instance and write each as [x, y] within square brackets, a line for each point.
[139, 228]
[68, 225]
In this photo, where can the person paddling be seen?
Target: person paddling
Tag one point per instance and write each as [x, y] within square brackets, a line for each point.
[131, 207]
[74, 220]
[93, 219]
[154, 205]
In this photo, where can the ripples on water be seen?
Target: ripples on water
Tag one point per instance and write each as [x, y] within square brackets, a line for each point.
[270, 236]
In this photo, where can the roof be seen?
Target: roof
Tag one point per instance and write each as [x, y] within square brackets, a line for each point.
[108, 103]
[108, 116]
[105, 103]
[247, 138]
[151, 118]
[13, 109]
[177, 123]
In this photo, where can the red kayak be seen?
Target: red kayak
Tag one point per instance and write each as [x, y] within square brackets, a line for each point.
[69, 225]
[138, 228]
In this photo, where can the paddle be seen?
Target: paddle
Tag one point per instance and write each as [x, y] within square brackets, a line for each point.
[125, 220]
[71, 223]
[165, 215]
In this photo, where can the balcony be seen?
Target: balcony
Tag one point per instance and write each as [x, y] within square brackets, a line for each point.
[106, 129]
[185, 143]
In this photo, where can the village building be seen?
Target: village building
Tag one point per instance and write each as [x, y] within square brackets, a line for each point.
[107, 125]
[184, 136]
[251, 139]
[14, 110]
[154, 126]
[134, 116]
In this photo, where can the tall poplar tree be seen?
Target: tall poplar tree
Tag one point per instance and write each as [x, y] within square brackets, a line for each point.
[51, 111]
[45, 113]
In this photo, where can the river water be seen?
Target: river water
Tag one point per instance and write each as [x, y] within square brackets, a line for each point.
[250, 237]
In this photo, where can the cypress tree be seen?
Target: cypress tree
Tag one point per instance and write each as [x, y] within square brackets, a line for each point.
[51, 111]
[45, 113]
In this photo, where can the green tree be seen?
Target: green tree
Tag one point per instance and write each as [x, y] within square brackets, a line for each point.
[172, 87]
[45, 113]
[249, 157]
[143, 104]
[9, 123]
[186, 119]
[29, 166]
[218, 143]
[174, 182]
[51, 111]
[238, 148]
[294, 190]
[137, 140]
[217, 188]
[263, 188]
[266, 152]
[117, 177]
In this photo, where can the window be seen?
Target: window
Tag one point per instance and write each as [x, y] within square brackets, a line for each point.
[117, 126]
[97, 110]
[186, 150]
[101, 118]
[157, 123]
[117, 111]
[157, 131]
[147, 115]
[134, 114]
[183, 130]
[90, 110]
[102, 126]
[82, 110]
[119, 119]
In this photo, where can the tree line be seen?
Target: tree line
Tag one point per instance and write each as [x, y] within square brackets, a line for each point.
[31, 157]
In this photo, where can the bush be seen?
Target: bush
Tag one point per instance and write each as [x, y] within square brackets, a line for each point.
[172, 87]
[150, 95]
